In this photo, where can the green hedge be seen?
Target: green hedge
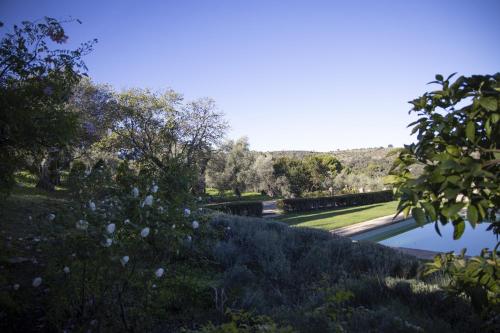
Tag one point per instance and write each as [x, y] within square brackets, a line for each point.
[243, 208]
[347, 200]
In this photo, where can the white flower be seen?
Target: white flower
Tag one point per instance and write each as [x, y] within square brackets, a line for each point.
[16, 286]
[159, 272]
[173, 226]
[189, 238]
[154, 188]
[111, 228]
[51, 217]
[199, 199]
[195, 224]
[145, 232]
[91, 205]
[160, 210]
[86, 173]
[475, 155]
[82, 225]
[124, 260]
[187, 212]
[66, 270]
[37, 282]
[148, 201]
[108, 243]
[135, 192]
[30, 218]
[127, 221]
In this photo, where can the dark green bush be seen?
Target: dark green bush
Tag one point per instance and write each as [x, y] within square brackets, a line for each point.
[317, 282]
[243, 208]
[347, 200]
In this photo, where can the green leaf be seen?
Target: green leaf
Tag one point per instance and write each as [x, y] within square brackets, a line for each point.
[418, 215]
[470, 131]
[458, 230]
[472, 215]
[436, 227]
[453, 150]
[489, 103]
[452, 210]
[429, 209]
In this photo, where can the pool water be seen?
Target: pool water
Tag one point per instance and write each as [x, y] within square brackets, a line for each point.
[408, 234]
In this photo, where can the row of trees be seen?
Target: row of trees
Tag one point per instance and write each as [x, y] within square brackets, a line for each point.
[235, 167]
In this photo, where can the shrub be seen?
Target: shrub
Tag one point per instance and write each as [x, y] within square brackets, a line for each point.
[347, 200]
[243, 208]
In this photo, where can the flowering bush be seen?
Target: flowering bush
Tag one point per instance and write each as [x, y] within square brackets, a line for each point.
[123, 249]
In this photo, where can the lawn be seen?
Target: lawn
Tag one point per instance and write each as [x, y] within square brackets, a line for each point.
[229, 195]
[340, 217]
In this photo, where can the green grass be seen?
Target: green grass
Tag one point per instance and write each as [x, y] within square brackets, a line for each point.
[229, 195]
[340, 217]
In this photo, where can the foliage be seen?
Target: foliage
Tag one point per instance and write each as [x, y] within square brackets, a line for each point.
[457, 143]
[244, 208]
[244, 322]
[123, 247]
[346, 200]
[35, 82]
[477, 277]
[322, 170]
[230, 167]
[458, 134]
[296, 174]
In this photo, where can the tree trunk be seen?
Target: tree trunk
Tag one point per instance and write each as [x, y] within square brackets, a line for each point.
[49, 175]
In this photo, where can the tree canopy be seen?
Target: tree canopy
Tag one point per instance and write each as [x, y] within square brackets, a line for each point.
[458, 137]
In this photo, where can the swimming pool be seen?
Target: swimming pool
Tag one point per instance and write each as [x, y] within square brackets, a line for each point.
[409, 234]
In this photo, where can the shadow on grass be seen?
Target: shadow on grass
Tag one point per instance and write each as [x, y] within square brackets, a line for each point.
[298, 218]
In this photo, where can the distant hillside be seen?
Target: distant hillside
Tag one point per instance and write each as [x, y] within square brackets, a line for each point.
[362, 160]
[363, 169]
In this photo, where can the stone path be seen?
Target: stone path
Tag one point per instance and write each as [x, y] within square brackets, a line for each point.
[270, 209]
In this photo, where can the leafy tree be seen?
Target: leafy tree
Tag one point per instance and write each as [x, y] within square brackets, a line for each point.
[296, 172]
[35, 82]
[158, 131]
[231, 167]
[458, 136]
[322, 169]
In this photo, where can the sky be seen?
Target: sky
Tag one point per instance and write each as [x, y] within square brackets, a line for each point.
[289, 75]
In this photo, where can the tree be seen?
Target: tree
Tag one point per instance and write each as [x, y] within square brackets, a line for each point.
[296, 172]
[231, 167]
[158, 131]
[35, 82]
[322, 169]
[262, 174]
[458, 137]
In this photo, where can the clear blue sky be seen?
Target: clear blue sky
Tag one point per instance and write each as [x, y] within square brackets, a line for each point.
[302, 75]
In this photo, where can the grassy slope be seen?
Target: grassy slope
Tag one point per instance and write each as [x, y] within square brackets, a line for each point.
[20, 240]
[337, 218]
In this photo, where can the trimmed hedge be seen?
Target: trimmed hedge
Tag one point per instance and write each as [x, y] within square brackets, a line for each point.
[243, 208]
[347, 200]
